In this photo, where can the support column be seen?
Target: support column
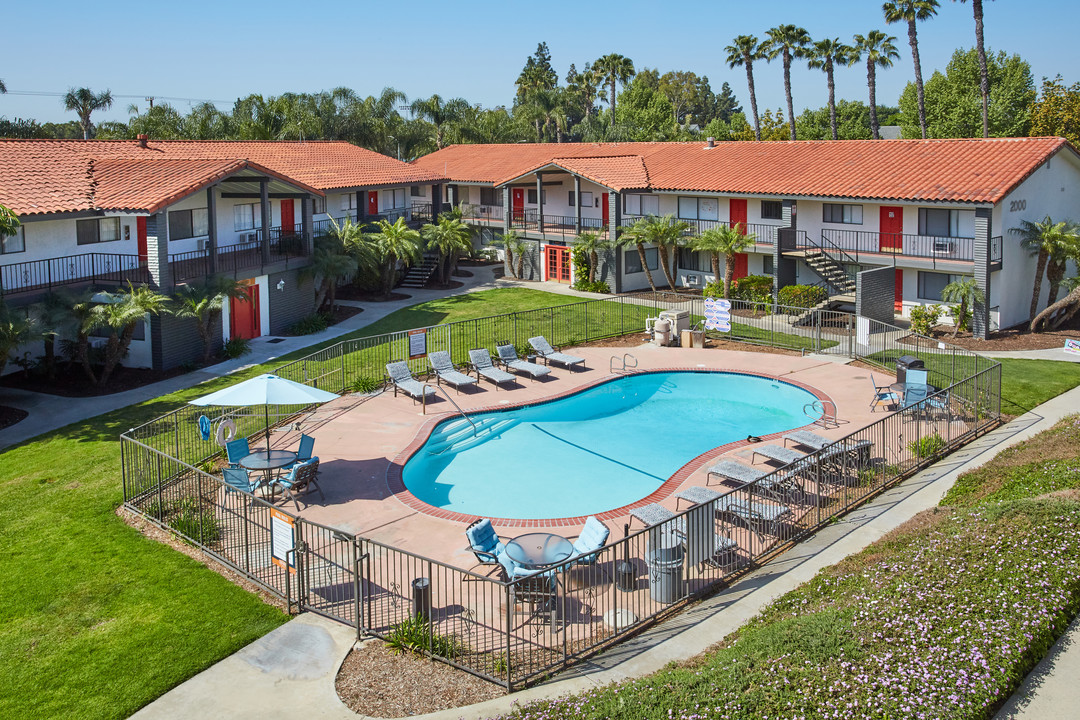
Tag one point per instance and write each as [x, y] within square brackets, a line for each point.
[614, 221]
[361, 206]
[784, 266]
[307, 224]
[264, 207]
[455, 198]
[980, 321]
[506, 208]
[540, 202]
[211, 231]
[436, 200]
[157, 252]
[577, 202]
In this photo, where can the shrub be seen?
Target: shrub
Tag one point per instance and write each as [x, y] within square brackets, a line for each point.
[596, 287]
[316, 322]
[802, 296]
[752, 288]
[414, 635]
[195, 522]
[580, 260]
[713, 290]
[924, 318]
[364, 385]
[927, 446]
[237, 347]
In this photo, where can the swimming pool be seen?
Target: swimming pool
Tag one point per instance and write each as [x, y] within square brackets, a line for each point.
[600, 449]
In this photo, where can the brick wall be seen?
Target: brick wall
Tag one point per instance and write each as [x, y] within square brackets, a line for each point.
[874, 293]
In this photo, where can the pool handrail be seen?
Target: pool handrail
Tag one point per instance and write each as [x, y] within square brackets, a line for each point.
[461, 412]
[626, 367]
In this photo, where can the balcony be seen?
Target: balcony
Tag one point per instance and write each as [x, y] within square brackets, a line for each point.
[877, 248]
[763, 234]
[87, 269]
[285, 247]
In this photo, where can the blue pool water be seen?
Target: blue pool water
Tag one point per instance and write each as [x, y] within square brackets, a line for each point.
[596, 450]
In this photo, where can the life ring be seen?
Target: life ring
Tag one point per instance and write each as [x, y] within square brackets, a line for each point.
[226, 431]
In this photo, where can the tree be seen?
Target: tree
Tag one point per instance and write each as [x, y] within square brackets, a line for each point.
[592, 245]
[203, 303]
[726, 105]
[682, 89]
[911, 11]
[772, 128]
[515, 248]
[121, 313]
[744, 50]
[645, 114]
[9, 222]
[581, 89]
[852, 121]
[450, 237]
[395, 242]
[53, 313]
[84, 101]
[787, 42]
[87, 319]
[984, 74]
[825, 55]
[15, 330]
[965, 292]
[442, 114]
[1059, 313]
[879, 51]
[1043, 239]
[663, 232]
[953, 103]
[614, 68]
[537, 73]
[727, 241]
[1057, 111]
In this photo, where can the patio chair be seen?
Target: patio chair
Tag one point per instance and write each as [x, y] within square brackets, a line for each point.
[488, 548]
[551, 355]
[538, 592]
[445, 369]
[589, 542]
[299, 479]
[808, 439]
[774, 484]
[883, 395]
[402, 378]
[508, 357]
[239, 479]
[237, 450]
[306, 449]
[698, 542]
[480, 359]
[777, 453]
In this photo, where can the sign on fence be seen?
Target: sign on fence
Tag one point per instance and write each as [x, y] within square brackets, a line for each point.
[417, 344]
[718, 314]
[282, 540]
[1072, 347]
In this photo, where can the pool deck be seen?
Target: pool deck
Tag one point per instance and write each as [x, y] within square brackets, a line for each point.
[361, 441]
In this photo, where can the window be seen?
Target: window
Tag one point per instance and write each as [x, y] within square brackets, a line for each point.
[772, 210]
[416, 191]
[641, 205]
[931, 284]
[318, 205]
[689, 259]
[187, 224]
[348, 202]
[393, 198]
[939, 223]
[489, 196]
[688, 208]
[767, 265]
[530, 196]
[586, 199]
[89, 232]
[691, 208]
[249, 216]
[633, 260]
[846, 214]
[14, 243]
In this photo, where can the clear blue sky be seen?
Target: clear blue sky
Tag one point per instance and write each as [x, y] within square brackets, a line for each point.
[223, 50]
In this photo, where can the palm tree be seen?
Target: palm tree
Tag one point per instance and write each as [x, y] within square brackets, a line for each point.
[665, 233]
[515, 247]
[1039, 238]
[911, 11]
[965, 292]
[15, 330]
[1065, 249]
[9, 222]
[83, 102]
[592, 244]
[614, 68]
[744, 50]
[984, 74]
[443, 115]
[826, 55]
[86, 321]
[121, 313]
[1056, 315]
[395, 242]
[879, 51]
[450, 236]
[787, 41]
[203, 303]
[53, 313]
[727, 241]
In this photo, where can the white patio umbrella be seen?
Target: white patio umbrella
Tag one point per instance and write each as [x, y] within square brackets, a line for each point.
[265, 390]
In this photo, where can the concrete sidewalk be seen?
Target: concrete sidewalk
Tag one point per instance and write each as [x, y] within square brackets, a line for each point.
[251, 684]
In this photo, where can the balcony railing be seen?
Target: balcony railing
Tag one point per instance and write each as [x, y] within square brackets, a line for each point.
[876, 248]
[763, 234]
[284, 247]
[484, 213]
[89, 268]
[562, 226]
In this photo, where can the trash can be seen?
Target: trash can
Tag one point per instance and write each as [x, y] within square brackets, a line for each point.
[905, 363]
[421, 597]
[665, 560]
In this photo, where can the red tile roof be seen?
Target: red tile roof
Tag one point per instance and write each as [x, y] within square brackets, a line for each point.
[968, 170]
[49, 176]
[625, 172]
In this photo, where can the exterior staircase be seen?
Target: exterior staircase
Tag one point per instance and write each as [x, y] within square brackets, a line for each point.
[418, 275]
[841, 286]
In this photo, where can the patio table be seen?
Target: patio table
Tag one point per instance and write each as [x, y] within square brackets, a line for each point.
[536, 551]
[267, 461]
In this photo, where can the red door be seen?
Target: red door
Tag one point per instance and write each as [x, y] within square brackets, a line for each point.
[740, 266]
[737, 218]
[891, 229]
[517, 205]
[140, 234]
[373, 203]
[288, 222]
[558, 263]
[898, 297]
[244, 314]
[604, 209]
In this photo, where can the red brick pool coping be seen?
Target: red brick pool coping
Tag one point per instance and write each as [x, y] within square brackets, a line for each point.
[396, 484]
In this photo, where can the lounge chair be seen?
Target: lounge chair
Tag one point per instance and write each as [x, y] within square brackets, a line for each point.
[778, 453]
[402, 377]
[300, 478]
[655, 514]
[808, 439]
[773, 483]
[488, 548]
[237, 450]
[551, 355]
[481, 360]
[750, 512]
[883, 395]
[446, 370]
[508, 357]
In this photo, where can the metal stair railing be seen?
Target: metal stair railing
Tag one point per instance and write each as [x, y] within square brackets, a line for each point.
[446, 395]
[828, 253]
[625, 366]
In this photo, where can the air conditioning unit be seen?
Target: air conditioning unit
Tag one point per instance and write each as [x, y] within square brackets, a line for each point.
[249, 237]
[693, 281]
[944, 247]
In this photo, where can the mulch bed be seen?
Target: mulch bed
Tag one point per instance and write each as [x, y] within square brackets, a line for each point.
[1015, 338]
[377, 682]
[341, 313]
[9, 416]
[71, 382]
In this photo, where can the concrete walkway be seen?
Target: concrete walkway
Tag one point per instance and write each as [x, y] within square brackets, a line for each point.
[252, 683]
[1050, 354]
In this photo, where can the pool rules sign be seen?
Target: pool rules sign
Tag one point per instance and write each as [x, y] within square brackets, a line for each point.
[718, 314]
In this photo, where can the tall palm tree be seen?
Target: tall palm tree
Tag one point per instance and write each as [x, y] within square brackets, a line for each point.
[9, 222]
[744, 50]
[665, 233]
[727, 241]
[53, 315]
[965, 292]
[826, 55]
[515, 248]
[788, 42]
[1039, 238]
[911, 11]
[984, 74]
[442, 114]
[84, 101]
[879, 51]
[592, 244]
[395, 242]
[450, 237]
[121, 313]
[203, 303]
[614, 68]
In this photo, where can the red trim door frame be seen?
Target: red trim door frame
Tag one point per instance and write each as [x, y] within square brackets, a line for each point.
[557, 263]
[244, 314]
[373, 202]
[517, 205]
[891, 229]
[140, 234]
[737, 213]
[288, 219]
[605, 213]
[898, 292]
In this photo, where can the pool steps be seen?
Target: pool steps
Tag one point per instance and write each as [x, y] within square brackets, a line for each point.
[460, 437]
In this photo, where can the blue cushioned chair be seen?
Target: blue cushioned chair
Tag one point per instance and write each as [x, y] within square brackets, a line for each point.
[237, 450]
[488, 548]
[300, 478]
[239, 479]
[593, 537]
[307, 447]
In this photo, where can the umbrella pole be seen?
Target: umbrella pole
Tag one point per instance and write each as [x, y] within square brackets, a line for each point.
[266, 417]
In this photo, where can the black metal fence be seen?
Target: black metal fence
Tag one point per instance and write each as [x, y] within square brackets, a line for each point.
[89, 268]
[515, 633]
